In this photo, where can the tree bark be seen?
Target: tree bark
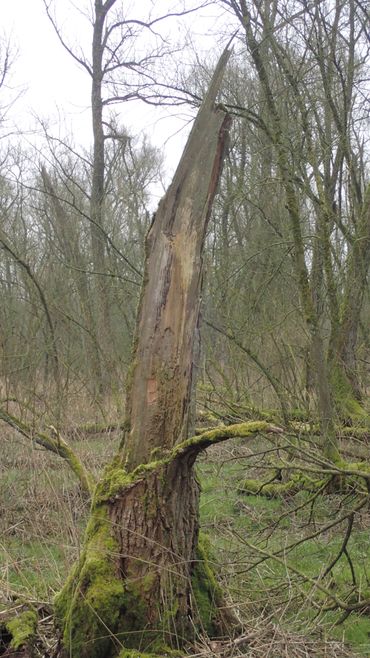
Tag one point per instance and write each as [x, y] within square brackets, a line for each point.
[142, 579]
[159, 394]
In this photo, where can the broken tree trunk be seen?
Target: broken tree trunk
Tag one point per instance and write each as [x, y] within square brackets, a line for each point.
[159, 393]
[142, 580]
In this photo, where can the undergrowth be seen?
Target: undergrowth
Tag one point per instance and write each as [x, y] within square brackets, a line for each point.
[253, 536]
[43, 515]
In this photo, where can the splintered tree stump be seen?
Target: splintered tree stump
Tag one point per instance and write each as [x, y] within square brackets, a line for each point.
[143, 580]
[158, 404]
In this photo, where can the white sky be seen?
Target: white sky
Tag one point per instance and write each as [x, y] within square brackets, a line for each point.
[47, 77]
[56, 89]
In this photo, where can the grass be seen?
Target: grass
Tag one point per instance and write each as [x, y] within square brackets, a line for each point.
[245, 528]
[42, 516]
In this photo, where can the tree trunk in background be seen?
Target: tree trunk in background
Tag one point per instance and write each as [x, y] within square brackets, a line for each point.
[286, 170]
[142, 580]
[342, 352]
[69, 240]
[97, 195]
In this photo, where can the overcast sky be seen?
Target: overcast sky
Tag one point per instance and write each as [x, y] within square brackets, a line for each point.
[47, 78]
[54, 87]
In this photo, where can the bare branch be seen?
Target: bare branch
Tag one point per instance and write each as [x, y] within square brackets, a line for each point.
[56, 445]
[79, 60]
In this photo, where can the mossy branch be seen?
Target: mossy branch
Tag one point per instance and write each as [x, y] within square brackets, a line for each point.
[273, 489]
[56, 445]
[197, 444]
[116, 478]
[301, 480]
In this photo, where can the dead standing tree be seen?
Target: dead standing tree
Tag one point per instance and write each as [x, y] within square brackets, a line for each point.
[143, 532]
[142, 580]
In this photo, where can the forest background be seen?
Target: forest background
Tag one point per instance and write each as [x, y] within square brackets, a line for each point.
[285, 306]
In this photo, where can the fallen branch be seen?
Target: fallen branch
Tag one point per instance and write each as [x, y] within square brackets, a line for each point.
[275, 489]
[95, 428]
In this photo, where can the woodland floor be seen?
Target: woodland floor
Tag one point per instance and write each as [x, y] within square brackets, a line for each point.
[42, 516]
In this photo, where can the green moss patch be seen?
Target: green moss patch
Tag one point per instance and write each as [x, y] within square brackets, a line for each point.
[131, 653]
[115, 478]
[206, 590]
[22, 629]
[89, 606]
[97, 609]
[296, 483]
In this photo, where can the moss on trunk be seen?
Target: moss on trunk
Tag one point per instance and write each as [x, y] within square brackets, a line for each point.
[154, 600]
[206, 589]
[89, 605]
[144, 579]
[349, 407]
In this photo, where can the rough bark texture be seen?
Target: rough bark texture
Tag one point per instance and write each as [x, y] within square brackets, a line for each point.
[143, 580]
[156, 526]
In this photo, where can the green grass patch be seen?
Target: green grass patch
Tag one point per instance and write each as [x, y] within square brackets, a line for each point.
[236, 523]
[34, 567]
[43, 516]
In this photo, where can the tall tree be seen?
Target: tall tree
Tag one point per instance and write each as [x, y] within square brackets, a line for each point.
[315, 55]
